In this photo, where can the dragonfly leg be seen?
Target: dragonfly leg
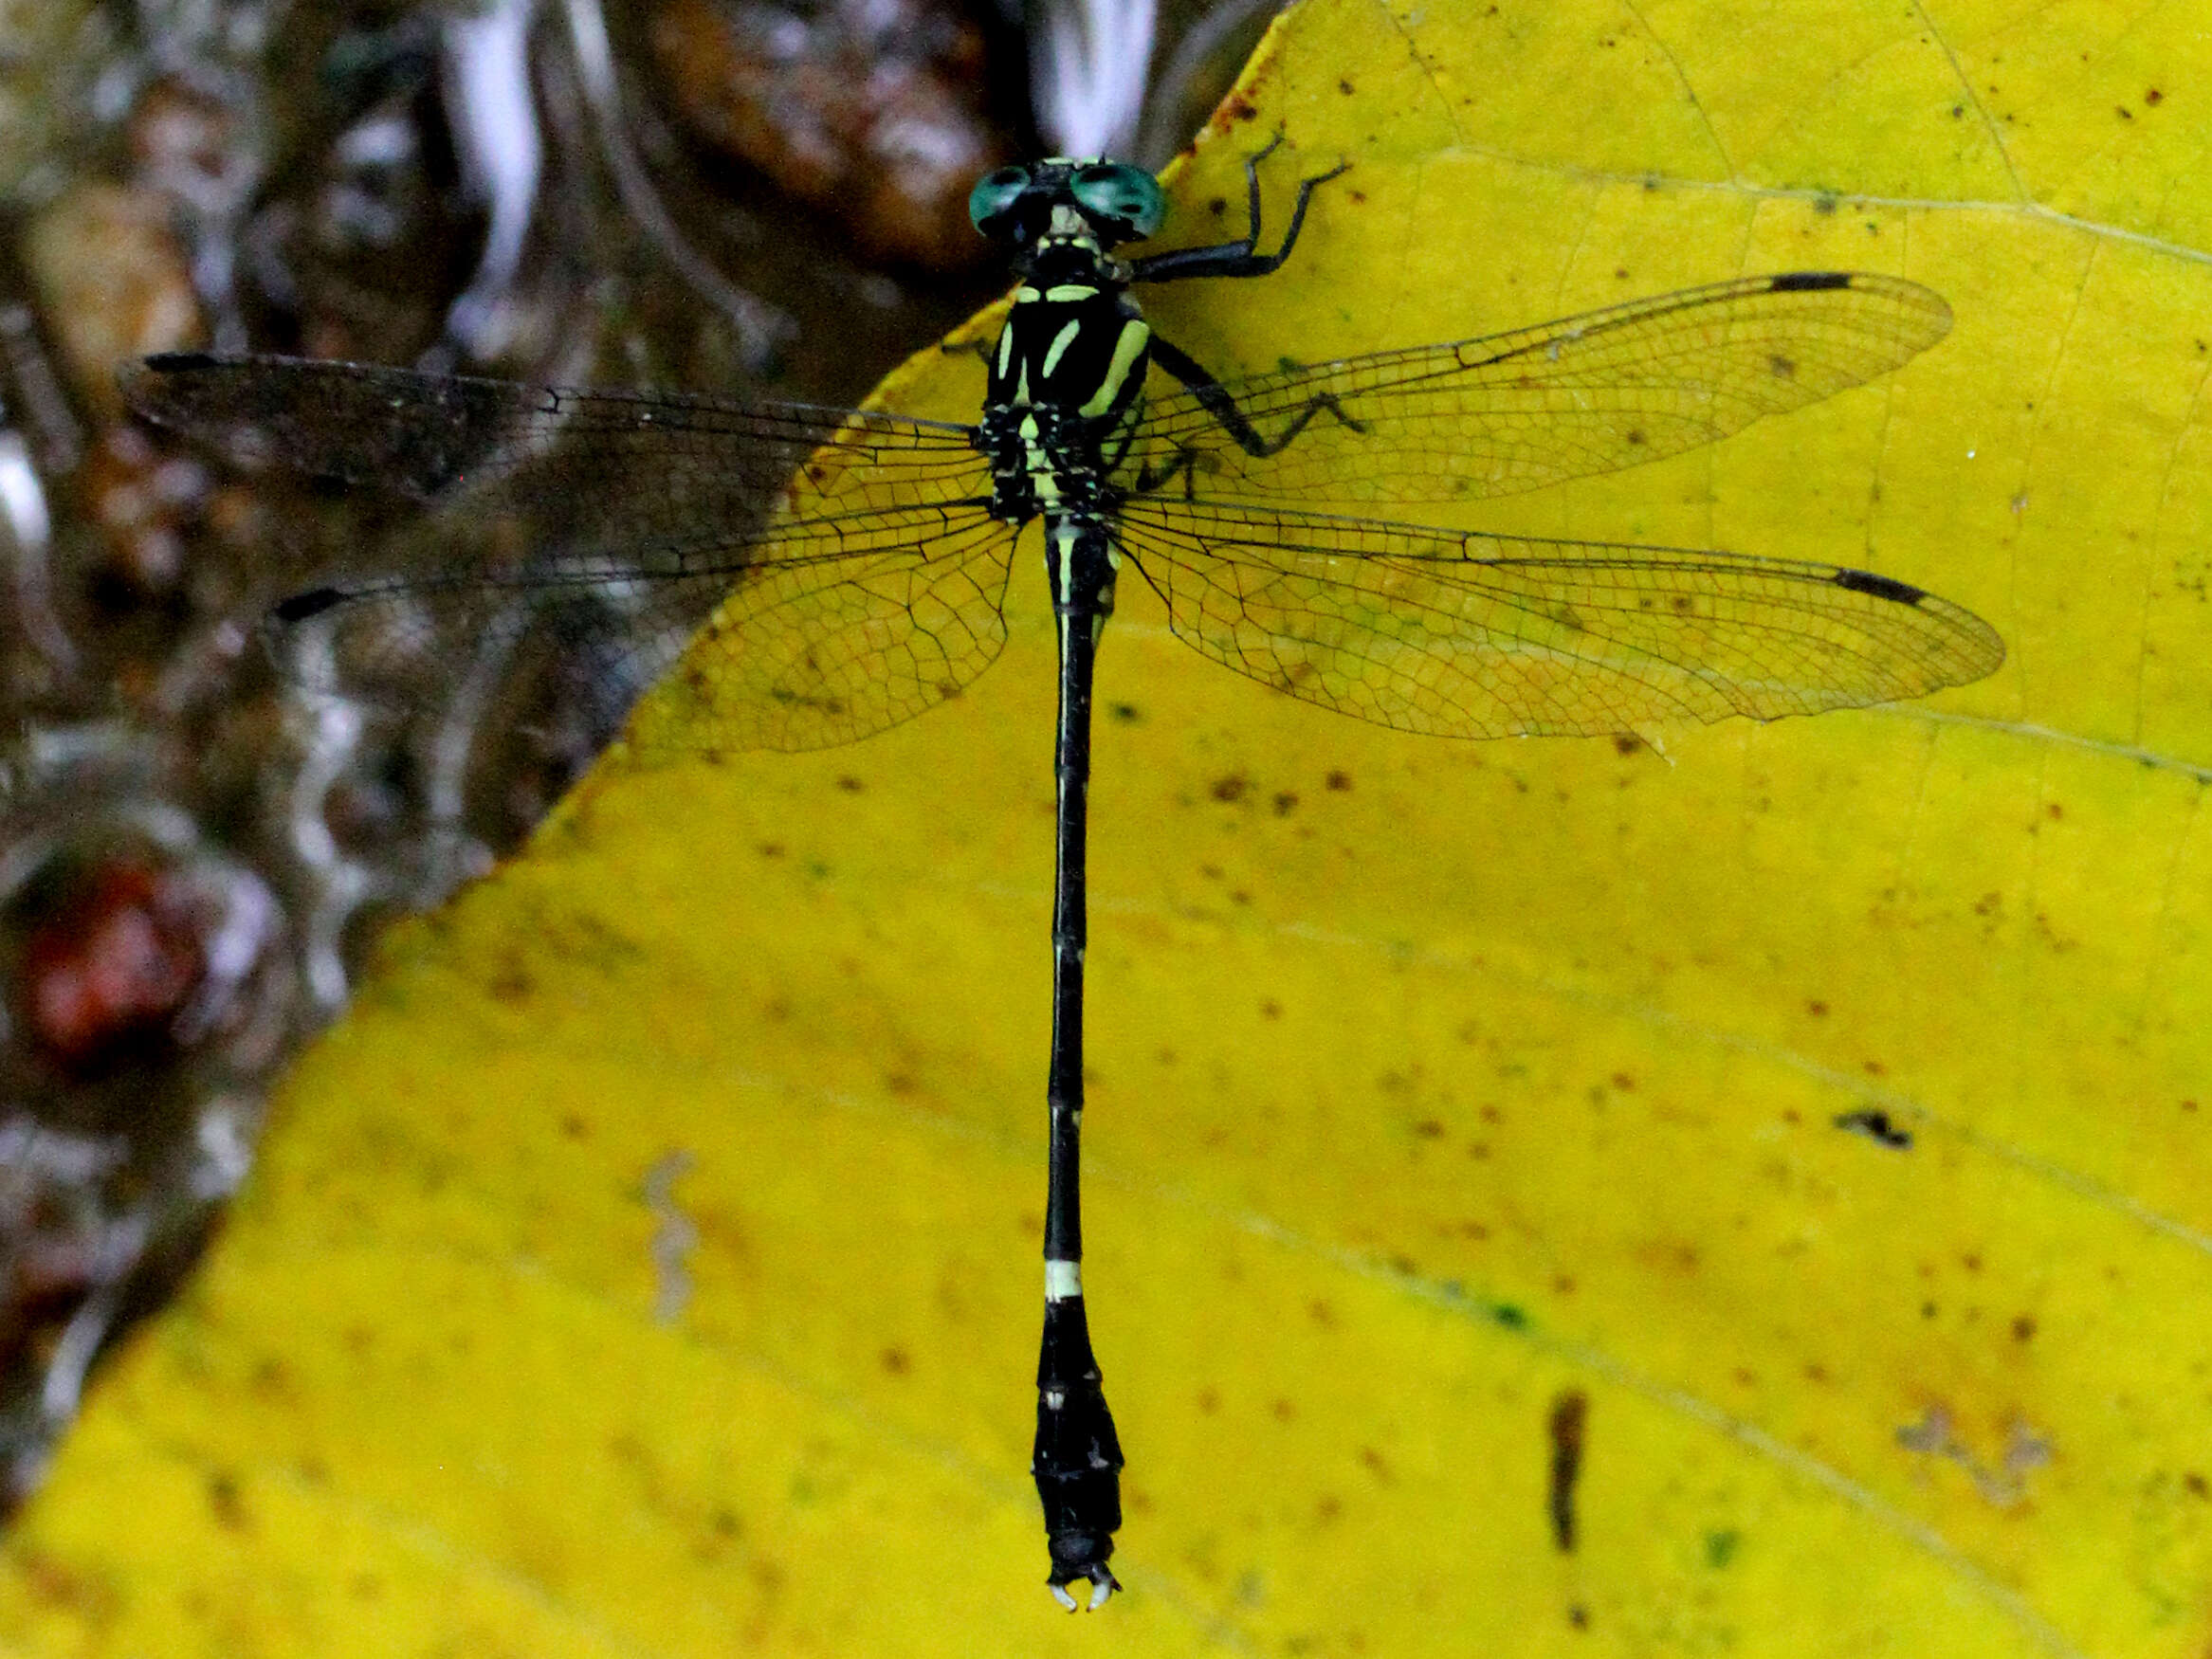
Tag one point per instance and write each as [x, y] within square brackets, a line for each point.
[1222, 407]
[1240, 258]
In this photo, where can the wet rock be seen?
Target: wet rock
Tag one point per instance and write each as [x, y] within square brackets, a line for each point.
[187, 145]
[142, 499]
[108, 967]
[50, 53]
[872, 111]
[113, 283]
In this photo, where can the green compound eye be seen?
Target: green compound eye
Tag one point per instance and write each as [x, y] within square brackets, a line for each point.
[994, 195]
[1114, 189]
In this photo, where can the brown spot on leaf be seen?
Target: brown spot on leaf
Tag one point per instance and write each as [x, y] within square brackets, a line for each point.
[225, 1504]
[1235, 107]
[1565, 1427]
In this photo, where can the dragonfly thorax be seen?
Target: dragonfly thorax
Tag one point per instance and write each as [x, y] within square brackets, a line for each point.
[1065, 375]
[1045, 461]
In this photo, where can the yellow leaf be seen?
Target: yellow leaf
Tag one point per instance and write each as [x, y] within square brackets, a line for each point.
[1803, 1121]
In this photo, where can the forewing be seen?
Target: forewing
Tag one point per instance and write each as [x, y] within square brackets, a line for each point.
[1516, 411]
[653, 463]
[1467, 635]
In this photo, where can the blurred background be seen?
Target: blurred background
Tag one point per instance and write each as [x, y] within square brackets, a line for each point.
[196, 850]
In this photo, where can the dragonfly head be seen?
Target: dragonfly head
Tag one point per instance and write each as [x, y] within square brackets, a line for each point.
[1090, 206]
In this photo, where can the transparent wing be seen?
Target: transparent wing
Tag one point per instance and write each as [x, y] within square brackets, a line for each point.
[817, 631]
[824, 644]
[581, 537]
[1467, 635]
[1516, 412]
[655, 463]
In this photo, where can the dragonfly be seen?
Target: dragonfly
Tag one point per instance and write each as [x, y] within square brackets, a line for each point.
[874, 587]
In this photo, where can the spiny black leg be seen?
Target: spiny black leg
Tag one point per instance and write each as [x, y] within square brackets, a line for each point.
[1233, 259]
[1252, 193]
[1184, 463]
[1223, 408]
[1239, 258]
[1266, 263]
[1116, 448]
